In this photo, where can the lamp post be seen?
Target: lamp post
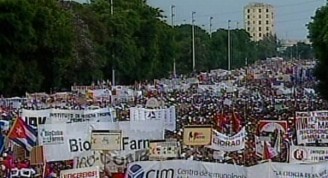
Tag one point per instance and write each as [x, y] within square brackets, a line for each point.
[172, 23]
[211, 18]
[229, 52]
[193, 41]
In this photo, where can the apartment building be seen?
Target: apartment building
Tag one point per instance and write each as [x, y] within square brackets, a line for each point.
[259, 20]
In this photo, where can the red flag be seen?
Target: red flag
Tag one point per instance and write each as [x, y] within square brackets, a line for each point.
[268, 151]
[236, 122]
[221, 121]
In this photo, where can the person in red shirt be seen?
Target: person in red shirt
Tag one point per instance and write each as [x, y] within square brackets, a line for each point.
[119, 174]
[23, 164]
[8, 161]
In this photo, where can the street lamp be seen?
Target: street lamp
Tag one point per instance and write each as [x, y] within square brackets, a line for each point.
[211, 18]
[172, 22]
[193, 41]
[229, 53]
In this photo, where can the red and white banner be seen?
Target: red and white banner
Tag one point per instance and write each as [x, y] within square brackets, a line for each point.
[90, 172]
[268, 127]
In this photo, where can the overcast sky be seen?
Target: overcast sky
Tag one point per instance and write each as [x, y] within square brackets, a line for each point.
[291, 15]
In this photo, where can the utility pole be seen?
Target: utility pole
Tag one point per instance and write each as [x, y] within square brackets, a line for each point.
[229, 52]
[113, 55]
[193, 41]
[211, 18]
[172, 23]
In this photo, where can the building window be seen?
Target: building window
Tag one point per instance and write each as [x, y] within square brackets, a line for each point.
[259, 16]
[248, 29]
[253, 22]
[267, 10]
[267, 16]
[260, 10]
[267, 28]
[260, 34]
[248, 17]
[267, 22]
[248, 22]
[254, 34]
[259, 22]
[248, 11]
[260, 29]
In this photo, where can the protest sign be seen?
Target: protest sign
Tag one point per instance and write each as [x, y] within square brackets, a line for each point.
[106, 139]
[197, 135]
[312, 127]
[226, 143]
[164, 149]
[168, 116]
[306, 154]
[90, 172]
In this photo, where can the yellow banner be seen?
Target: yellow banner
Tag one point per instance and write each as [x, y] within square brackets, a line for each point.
[197, 135]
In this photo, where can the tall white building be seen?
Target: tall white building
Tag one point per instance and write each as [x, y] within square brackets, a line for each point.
[259, 20]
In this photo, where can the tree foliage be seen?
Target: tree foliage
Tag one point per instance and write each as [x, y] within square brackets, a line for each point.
[318, 35]
[50, 45]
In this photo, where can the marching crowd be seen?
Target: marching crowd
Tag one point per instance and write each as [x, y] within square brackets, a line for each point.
[252, 93]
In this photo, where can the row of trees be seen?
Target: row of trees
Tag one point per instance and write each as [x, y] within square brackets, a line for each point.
[50, 45]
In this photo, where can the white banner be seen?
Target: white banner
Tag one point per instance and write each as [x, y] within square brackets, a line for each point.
[91, 172]
[53, 116]
[77, 138]
[226, 143]
[197, 169]
[285, 170]
[184, 168]
[306, 154]
[35, 117]
[70, 116]
[168, 116]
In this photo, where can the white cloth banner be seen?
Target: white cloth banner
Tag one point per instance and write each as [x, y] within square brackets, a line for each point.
[53, 116]
[35, 117]
[285, 170]
[184, 168]
[226, 143]
[306, 154]
[77, 137]
[197, 169]
[168, 116]
[70, 116]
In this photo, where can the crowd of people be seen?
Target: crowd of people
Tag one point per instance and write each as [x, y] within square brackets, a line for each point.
[268, 90]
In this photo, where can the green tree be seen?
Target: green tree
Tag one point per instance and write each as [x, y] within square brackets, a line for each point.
[318, 35]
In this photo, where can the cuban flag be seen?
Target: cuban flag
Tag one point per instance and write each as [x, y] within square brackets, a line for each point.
[23, 134]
